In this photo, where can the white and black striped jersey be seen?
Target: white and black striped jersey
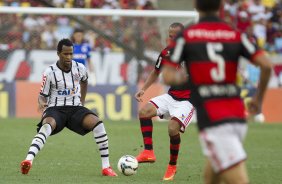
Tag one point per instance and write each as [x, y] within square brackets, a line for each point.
[63, 88]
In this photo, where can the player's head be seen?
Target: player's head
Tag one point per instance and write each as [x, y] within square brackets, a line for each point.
[65, 52]
[173, 30]
[78, 36]
[207, 6]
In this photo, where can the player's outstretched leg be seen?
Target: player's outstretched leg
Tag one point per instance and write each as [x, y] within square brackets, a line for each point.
[146, 124]
[173, 129]
[36, 145]
[101, 139]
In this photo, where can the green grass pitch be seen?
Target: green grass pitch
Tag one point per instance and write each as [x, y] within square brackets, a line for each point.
[70, 158]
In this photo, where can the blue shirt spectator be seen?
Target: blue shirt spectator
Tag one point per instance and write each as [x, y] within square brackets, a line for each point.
[82, 49]
[81, 53]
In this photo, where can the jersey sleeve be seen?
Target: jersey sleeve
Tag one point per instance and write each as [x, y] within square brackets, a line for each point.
[84, 73]
[249, 50]
[159, 62]
[46, 83]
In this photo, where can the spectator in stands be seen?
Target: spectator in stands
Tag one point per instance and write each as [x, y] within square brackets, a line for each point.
[59, 3]
[256, 8]
[243, 21]
[259, 22]
[48, 38]
[81, 49]
[277, 12]
[96, 3]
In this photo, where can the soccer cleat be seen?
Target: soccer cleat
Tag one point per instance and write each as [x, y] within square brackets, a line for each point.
[146, 156]
[108, 172]
[26, 166]
[170, 173]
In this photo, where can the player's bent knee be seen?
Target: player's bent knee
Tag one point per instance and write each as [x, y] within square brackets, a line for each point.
[173, 128]
[146, 113]
[89, 121]
[142, 113]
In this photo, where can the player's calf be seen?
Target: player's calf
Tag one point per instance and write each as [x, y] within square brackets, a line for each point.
[36, 145]
[236, 174]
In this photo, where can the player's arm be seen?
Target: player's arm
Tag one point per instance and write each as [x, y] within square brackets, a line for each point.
[265, 67]
[149, 81]
[83, 83]
[44, 91]
[83, 90]
[42, 103]
[259, 58]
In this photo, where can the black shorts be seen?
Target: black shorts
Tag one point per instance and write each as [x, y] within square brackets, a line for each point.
[67, 116]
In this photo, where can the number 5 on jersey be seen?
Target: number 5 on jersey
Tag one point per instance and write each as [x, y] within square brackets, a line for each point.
[218, 73]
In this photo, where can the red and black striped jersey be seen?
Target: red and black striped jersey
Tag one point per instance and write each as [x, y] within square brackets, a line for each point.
[179, 92]
[211, 50]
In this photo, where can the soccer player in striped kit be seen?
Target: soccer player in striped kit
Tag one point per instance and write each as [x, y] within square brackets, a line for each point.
[174, 105]
[61, 98]
[211, 51]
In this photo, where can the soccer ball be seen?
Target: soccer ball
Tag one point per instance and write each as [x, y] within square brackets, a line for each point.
[127, 165]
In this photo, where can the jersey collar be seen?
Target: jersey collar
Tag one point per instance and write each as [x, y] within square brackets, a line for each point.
[62, 69]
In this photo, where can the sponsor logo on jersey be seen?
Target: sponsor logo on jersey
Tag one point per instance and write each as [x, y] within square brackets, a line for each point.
[218, 90]
[168, 53]
[71, 91]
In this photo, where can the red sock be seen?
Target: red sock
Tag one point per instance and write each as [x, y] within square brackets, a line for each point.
[174, 148]
[147, 131]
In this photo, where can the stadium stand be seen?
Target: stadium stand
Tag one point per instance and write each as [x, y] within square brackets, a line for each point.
[260, 19]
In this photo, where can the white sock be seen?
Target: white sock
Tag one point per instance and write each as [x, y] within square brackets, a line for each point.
[101, 139]
[39, 141]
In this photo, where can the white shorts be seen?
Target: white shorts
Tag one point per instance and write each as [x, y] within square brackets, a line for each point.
[167, 107]
[222, 145]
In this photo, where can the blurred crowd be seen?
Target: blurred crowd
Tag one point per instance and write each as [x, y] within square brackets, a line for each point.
[104, 4]
[260, 19]
[43, 31]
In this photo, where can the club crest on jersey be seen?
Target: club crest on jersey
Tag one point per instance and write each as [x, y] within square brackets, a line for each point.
[76, 76]
[71, 91]
[168, 53]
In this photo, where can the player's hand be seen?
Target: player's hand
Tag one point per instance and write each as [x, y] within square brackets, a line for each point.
[42, 106]
[254, 106]
[138, 95]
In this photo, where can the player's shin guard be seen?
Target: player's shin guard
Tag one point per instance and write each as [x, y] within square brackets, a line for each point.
[147, 131]
[174, 148]
[101, 139]
[39, 141]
